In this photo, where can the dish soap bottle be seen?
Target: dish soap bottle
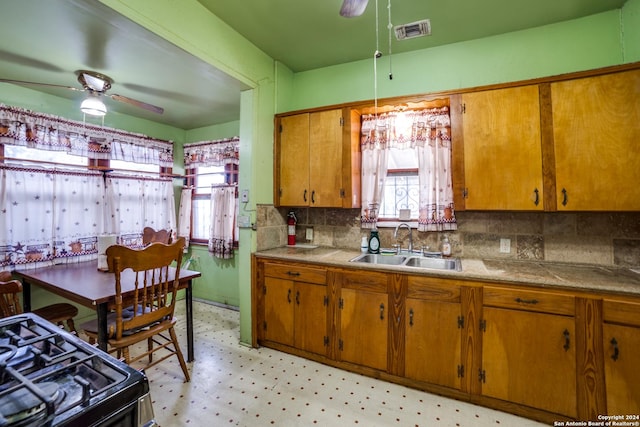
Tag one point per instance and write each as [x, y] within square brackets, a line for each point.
[364, 244]
[374, 242]
[446, 246]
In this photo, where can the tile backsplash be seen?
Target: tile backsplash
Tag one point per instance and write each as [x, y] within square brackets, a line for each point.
[606, 238]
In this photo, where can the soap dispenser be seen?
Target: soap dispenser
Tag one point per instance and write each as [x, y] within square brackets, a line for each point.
[374, 241]
[364, 245]
[446, 246]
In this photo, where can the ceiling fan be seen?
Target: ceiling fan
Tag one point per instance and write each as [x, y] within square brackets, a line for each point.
[353, 8]
[97, 85]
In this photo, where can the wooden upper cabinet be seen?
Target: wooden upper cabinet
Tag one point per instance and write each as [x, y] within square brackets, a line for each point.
[294, 160]
[596, 129]
[502, 149]
[317, 159]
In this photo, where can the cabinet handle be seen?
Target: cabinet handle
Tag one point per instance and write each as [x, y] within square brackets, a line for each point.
[616, 351]
[537, 199]
[565, 198]
[304, 196]
[567, 341]
[293, 273]
[289, 296]
[411, 317]
[526, 301]
[298, 297]
[381, 311]
[313, 197]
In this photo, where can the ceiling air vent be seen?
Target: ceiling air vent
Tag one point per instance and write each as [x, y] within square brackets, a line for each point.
[414, 29]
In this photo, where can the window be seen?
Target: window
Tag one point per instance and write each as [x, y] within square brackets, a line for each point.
[401, 188]
[406, 165]
[203, 178]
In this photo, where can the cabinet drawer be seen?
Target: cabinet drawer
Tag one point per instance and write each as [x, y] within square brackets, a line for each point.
[369, 281]
[530, 300]
[623, 312]
[296, 272]
[430, 288]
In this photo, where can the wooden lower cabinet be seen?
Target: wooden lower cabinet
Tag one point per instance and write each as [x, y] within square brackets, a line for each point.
[364, 320]
[529, 358]
[621, 341]
[295, 312]
[545, 354]
[433, 338]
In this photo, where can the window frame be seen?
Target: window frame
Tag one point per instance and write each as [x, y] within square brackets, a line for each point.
[231, 176]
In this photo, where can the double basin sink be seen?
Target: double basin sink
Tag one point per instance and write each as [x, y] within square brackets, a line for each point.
[417, 261]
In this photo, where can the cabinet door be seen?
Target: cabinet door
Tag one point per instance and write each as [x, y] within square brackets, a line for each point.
[432, 342]
[529, 358]
[325, 162]
[294, 160]
[596, 129]
[311, 317]
[502, 149]
[364, 328]
[278, 310]
[621, 361]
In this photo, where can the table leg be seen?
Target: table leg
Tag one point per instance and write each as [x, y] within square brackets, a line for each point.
[26, 296]
[189, 303]
[102, 326]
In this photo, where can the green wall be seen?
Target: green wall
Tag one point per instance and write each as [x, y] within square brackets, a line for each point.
[582, 44]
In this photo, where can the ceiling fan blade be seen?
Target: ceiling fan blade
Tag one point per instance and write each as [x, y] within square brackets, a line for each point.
[353, 8]
[22, 82]
[137, 103]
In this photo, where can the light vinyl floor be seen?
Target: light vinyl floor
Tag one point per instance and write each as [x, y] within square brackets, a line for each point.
[235, 385]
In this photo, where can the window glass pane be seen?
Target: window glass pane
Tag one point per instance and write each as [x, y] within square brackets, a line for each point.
[402, 159]
[400, 192]
[201, 218]
[142, 167]
[207, 176]
[26, 153]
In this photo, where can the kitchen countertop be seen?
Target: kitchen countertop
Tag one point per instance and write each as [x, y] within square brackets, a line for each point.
[583, 277]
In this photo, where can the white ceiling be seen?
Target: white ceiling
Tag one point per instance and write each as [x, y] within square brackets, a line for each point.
[48, 40]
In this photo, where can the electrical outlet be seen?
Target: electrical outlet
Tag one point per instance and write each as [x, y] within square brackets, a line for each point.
[309, 234]
[505, 246]
[244, 196]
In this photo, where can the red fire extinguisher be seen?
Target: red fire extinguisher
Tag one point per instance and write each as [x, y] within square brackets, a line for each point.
[291, 228]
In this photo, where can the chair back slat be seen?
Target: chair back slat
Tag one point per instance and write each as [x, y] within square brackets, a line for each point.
[156, 269]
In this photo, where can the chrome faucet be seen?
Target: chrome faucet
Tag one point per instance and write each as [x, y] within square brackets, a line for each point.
[395, 234]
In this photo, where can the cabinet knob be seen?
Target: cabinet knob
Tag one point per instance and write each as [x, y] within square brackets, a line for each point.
[381, 311]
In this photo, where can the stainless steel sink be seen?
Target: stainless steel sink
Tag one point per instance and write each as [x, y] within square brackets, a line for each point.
[380, 259]
[433, 263]
[410, 261]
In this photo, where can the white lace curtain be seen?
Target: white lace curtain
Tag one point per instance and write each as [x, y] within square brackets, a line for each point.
[427, 132]
[50, 216]
[47, 132]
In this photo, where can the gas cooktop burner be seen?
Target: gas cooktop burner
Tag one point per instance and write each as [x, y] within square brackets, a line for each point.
[49, 377]
[23, 406]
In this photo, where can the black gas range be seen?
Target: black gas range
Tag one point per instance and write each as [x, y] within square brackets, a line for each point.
[49, 377]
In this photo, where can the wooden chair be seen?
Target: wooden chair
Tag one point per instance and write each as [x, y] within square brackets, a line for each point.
[149, 235]
[149, 315]
[10, 291]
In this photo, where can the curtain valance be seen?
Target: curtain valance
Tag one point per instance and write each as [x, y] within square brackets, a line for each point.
[48, 132]
[212, 153]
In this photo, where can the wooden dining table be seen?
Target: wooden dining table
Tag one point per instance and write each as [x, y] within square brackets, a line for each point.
[84, 284]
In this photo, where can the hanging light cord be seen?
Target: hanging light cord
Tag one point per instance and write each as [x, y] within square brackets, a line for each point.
[377, 54]
[390, 28]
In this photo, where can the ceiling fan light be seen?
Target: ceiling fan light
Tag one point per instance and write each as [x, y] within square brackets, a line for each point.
[353, 8]
[93, 106]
